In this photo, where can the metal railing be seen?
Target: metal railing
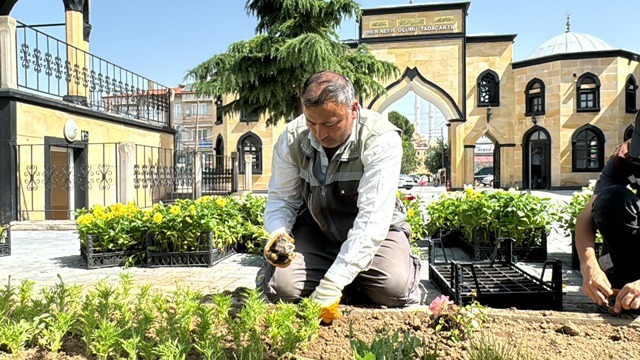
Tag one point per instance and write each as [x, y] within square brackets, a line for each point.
[54, 68]
[53, 181]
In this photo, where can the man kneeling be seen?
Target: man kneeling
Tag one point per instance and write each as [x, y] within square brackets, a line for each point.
[337, 228]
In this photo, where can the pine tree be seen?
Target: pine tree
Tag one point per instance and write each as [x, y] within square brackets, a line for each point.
[294, 39]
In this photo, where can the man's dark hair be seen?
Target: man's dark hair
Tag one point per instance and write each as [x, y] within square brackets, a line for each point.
[327, 87]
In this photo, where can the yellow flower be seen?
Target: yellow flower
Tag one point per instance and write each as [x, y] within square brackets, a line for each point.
[469, 191]
[157, 218]
[192, 209]
[174, 210]
[410, 212]
[221, 202]
[85, 220]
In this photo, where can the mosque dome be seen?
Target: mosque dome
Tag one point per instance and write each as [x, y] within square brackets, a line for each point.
[570, 42]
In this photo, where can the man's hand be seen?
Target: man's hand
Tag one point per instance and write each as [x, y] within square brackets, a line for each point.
[328, 295]
[595, 283]
[279, 249]
[628, 298]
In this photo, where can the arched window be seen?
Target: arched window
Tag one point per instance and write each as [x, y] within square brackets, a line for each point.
[250, 143]
[588, 92]
[630, 95]
[587, 149]
[488, 89]
[534, 93]
[628, 132]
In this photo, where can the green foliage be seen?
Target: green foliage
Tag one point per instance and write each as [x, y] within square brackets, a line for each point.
[415, 218]
[434, 159]
[114, 321]
[487, 348]
[286, 334]
[409, 160]
[119, 227]
[294, 39]
[399, 345]
[568, 212]
[516, 214]
[178, 227]
[457, 323]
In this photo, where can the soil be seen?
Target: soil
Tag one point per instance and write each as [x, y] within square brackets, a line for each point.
[522, 334]
[529, 334]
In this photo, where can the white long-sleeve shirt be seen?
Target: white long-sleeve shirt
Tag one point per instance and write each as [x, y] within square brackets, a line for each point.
[377, 192]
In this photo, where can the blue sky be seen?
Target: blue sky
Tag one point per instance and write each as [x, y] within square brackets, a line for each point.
[162, 39]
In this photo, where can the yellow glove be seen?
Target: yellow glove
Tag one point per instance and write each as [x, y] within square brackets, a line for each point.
[328, 295]
[279, 249]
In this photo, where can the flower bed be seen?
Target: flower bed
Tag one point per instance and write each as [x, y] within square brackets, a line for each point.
[111, 236]
[120, 233]
[5, 240]
[483, 246]
[472, 220]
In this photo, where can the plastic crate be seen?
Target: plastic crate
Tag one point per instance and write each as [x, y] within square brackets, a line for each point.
[205, 255]
[98, 260]
[498, 283]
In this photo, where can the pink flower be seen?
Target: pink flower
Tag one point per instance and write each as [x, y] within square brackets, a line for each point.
[440, 305]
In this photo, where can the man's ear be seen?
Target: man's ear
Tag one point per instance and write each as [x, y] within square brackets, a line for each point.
[354, 109]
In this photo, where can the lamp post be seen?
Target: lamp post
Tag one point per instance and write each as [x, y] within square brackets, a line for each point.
[197, 124]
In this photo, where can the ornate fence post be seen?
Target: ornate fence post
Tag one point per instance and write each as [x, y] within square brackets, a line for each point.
[8, 53]
[248, 172]
[234, 171]
[197, 175]
[126, 174]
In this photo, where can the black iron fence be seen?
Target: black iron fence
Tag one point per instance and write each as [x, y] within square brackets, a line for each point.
[52, 67]
[56, 179]
[218, 175]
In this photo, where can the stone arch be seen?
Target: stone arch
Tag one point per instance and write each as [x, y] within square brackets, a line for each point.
[412, 80]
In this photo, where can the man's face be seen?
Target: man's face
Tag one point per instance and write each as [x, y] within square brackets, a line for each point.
[331, 123]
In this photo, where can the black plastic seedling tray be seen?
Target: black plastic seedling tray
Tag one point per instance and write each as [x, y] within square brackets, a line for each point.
[497, 282]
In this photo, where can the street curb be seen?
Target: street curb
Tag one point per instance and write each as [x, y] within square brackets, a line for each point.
[43, 225]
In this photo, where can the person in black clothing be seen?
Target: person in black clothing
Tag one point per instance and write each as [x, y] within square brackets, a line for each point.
[614, 210]
[536, 168]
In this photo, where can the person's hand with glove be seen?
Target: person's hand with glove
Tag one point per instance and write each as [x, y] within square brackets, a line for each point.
[328, 295]
[279, 249]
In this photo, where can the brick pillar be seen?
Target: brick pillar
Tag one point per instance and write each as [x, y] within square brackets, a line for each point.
[77, 92]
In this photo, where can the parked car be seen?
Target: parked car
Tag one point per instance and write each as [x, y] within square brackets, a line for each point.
[487, 180]
[482, 173]
[406, 182]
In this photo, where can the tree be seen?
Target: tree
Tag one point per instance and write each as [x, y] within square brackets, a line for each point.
[294, 39]
[409, 159]
[435, 156]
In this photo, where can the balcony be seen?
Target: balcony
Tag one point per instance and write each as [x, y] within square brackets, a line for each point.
[53, 68]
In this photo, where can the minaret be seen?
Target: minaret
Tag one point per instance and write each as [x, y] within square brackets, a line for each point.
[416, 117]
[432, 119]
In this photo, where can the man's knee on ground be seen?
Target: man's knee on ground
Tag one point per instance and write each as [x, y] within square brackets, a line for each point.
[281, 286]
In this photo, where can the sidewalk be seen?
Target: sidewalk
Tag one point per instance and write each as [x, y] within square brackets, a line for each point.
[41, 256]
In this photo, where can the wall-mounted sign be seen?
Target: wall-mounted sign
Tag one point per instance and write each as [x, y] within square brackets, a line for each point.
[412, 24]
